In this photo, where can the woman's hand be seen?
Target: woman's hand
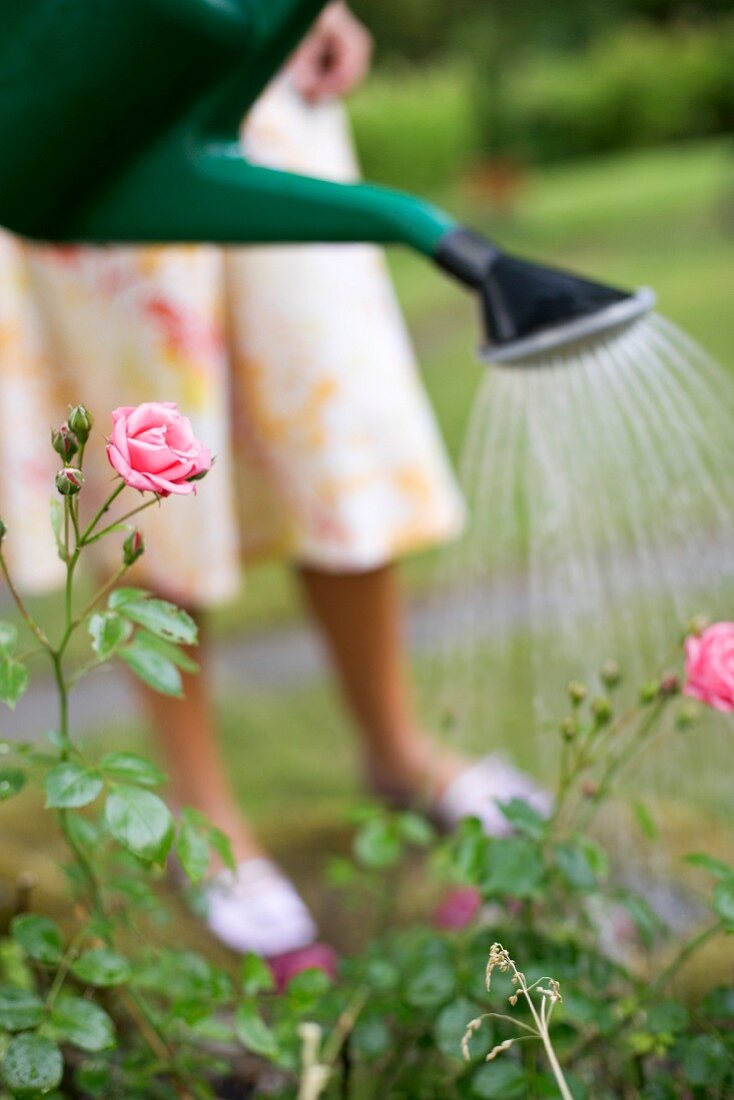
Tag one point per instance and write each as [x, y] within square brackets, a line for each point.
[335, 57]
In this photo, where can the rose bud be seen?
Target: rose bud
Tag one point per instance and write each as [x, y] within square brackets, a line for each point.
[569, 729]
[64, 442]
[610, 674]
[576, 692]
[649, 691]
[601, 708]
[669, 685]
[69, 481]
[685, 717]
[133, 547]
[80, 421]
[590, 788]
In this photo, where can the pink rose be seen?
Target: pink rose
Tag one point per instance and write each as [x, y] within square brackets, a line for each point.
[154, 449]
[710, 666]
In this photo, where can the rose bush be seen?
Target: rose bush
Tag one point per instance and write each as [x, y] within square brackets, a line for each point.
[154, 449]
[710, 666]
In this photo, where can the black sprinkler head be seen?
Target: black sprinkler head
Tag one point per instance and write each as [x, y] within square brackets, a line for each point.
[531, 311]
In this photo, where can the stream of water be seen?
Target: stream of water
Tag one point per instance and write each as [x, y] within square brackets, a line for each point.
[600, 486]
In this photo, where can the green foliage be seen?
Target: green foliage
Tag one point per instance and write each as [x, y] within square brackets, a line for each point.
[13, 680]
[71, 785]
[39, 937]
[416, 129]
[131, 1022]
[636, 86]
[140, 821]
[32, 1065]
[12, 782]
[101, 967]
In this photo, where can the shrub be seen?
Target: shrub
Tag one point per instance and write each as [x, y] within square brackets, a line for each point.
[416, 129]
[641, 86]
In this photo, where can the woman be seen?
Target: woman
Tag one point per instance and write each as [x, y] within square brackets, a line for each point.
[295, 367]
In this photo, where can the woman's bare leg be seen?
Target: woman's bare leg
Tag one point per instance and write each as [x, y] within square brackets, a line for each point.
[361, 616]
[185, 730]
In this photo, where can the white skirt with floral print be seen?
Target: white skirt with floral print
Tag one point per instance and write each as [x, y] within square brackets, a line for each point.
[292, 362]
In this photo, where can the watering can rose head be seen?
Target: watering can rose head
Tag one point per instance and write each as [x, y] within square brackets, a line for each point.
[154, 449]
[710, 666]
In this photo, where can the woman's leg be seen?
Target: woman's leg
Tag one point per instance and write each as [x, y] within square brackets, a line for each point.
[361, 616]
[185, 729]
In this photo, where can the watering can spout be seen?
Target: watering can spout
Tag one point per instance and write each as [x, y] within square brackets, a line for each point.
[210, 192]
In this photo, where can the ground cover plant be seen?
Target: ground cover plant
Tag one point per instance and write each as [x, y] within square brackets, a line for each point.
[96, 1009]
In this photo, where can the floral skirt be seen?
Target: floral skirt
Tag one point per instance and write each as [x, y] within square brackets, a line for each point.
[293, 364]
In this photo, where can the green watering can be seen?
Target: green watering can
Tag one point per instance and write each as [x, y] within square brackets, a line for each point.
[119, 122]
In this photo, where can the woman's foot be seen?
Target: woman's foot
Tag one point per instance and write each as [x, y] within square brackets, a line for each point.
[448, 786]
[256, 909]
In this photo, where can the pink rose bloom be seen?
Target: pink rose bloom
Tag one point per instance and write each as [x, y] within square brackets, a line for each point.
[154, 449]
[710, 666]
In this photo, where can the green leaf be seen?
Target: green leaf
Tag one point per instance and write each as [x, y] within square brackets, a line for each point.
[515, 868]
[502, 1079]
[93, 1078]
[13, 680]
[122, 596]
[20, 1009]
[646, 821]
[415, 829]
[255, 975]
[12, 780]
[57, 526]
[82, 1023]
[152, 668]
[222, 845]
[432, 985]
[141, 822]
[576, 864]
[163, 619]
[174, 653]
[724, 901]
[306, 988]
[194, 852]
[70, 785]
[708, 863]
[102, 967]
[719, 1003]
[450, 1028]
[706, 1061]
[253, 1032]
[524, 819]
[371, 1038]
[8, 637]
[128, 767]
[108, 632]
[40, 938]
[32, 1065]
[377, 844]
[645, 919]
[667, 1017]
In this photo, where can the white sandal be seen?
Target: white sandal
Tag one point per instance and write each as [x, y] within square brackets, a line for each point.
[477, 791]
[257, 909]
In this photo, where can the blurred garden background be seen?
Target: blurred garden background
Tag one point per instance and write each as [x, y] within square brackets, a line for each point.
[594, 134]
